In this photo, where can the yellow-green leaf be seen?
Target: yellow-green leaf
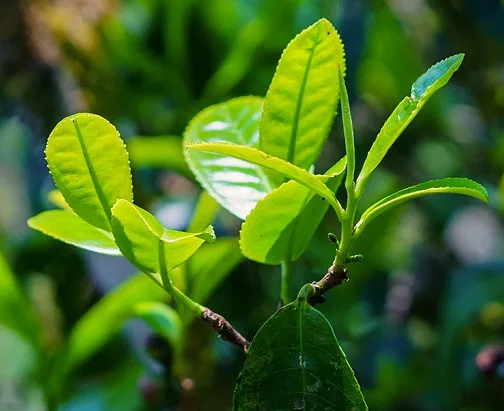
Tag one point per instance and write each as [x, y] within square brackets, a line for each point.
[89, 164]
[66, 226]
[302, 99]
[148, 245]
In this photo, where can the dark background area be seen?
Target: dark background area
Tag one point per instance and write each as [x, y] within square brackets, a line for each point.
[429, 299]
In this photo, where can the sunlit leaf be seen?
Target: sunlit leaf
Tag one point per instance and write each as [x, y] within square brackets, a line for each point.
[237, 185]
[89, 164]
[146, 244]
[162, 151]
[302, 98]
[296, 363]
[66, 226]
[258, 157]
[425, 86]
[162, 318]
[442, 186]
[210, 266]
[281, 225]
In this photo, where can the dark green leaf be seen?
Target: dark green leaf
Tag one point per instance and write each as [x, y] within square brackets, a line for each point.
[89, 164]
[296, 363]
[426, 85]
[66, 226]
[237, 185]
[302, 99]
[442, 186]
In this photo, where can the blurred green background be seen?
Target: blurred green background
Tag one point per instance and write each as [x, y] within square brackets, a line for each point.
[421, 320]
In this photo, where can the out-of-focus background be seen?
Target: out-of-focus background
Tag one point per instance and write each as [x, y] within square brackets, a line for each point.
[421, 320]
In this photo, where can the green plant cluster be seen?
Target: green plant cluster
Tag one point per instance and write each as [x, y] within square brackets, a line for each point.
[254, 157]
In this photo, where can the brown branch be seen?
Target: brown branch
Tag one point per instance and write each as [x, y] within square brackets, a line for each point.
[225, 329]
[334, 277]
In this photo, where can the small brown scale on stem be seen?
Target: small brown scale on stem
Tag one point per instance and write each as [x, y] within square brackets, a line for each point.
[225, 329]
[334, 277]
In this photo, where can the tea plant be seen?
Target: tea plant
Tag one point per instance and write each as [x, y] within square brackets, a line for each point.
[255, 157]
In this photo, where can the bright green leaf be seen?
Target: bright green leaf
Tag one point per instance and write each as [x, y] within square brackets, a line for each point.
[163, 319]
[146, 244]
[103, 321]
[162, 151]
[441, 186]
[302, 99]
[425, 86]
[296, 348]
[237, 185]
[66, 226]
[282, 223]
[210, 266]
[258, 157]
[89, 164]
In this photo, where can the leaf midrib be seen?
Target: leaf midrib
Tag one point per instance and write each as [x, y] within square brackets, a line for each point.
[293, 139]
[92, 172]
[303, 370]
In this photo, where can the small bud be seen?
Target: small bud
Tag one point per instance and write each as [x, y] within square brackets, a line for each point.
[332, 238]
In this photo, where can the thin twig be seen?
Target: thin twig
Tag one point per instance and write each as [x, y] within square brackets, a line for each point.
[334, 277]
[225, 329]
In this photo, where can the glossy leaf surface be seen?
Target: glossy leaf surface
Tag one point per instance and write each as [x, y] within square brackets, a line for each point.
[162, 318]
[258, 157]
[210, 266]
[89, 164]
[66, 226]
[104, 320]
[442, 186]
[296, 363]
[302, 99]
[423, 88]
[236, 184]
[148, 245]
[283, 222]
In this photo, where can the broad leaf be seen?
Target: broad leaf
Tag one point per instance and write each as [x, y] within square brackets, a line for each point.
[148, 245]
[237, 185]
[162, 318]
[302, 99]
[162, 151]
[210, 266]
[258, 157]
[103, 321]
[66, 226]
[425, 86]
[283, 222]
[89, 164]
[296, 363]
[441, 186]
